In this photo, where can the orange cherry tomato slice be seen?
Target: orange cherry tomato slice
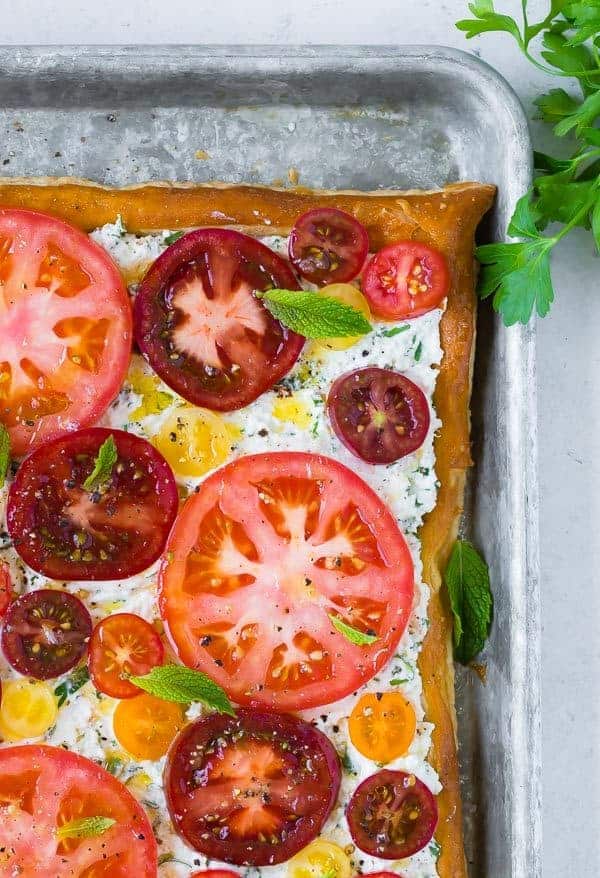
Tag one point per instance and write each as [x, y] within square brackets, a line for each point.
[145, 726]
[382, 726]
[123, 645]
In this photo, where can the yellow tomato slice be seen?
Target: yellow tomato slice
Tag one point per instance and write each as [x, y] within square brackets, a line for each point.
[28, 709]
[145, 726]
[382, 728]
[194, 441]
[319, 859]
[348, 295]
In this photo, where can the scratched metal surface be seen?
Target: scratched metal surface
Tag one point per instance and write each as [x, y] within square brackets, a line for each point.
[345, 118]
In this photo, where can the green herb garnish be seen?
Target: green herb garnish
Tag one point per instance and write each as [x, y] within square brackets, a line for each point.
[87, 827]
[103, 465]
[4, 454]
[358, 638]
[314, 316]
[73, 683]
[174, 236]
[390, 333]
[467, 579]
[184, 685]
[565, 191]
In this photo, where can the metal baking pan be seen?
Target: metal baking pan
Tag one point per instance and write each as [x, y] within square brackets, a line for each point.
[360, 118]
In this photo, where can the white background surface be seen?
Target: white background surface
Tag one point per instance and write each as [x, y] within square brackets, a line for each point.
[568, 355]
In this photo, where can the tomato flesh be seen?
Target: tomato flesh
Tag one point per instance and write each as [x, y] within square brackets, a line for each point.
[392, 815]
[45, 633]
[328, 246]
[251, 789]
[200, 326]
[304, 536]
[65, 328]
[405, 280]
[41, 789]
[123, 645]
[66, 532]
[378, 414]
[6, 589]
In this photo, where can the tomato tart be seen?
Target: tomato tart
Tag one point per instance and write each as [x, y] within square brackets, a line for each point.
[235, 435]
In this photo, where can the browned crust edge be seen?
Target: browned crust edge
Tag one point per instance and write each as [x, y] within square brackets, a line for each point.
[446, 219]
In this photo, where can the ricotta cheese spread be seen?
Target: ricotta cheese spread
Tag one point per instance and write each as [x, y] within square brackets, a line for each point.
[290, 416]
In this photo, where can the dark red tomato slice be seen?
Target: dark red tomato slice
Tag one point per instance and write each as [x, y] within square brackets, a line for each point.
[378, 414]
[121, 646]
[66, 532]
[328, 246]
[6, 589]
[406, 280]
[251, 789]
[65, 329]
[200, 326]
[42, 789]
[392, 815]
[304, 536]
[216, 873]
[45, 633]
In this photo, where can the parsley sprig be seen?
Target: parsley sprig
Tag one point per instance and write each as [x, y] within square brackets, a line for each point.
[565, 191]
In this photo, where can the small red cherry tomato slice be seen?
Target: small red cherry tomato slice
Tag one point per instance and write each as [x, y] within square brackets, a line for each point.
[392, 815]
[6, 589]
[304, 536]
[328, 246]
[65, 329]
[378, 414]
[123, 645]
[200, 326]
[44, 788]
[216, 873]
[406, 280]
[66, 532]
[45, 633]
[251, 789]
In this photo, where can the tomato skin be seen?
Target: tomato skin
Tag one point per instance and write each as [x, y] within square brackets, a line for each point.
[201, 602]
[68, 533]
[285, 770]
[392, 286]
[264, 350]
[328, 246]
[50, 786]
[6, 589]
[45, 633]
[123, 633]
[74, 320]
[215, 873]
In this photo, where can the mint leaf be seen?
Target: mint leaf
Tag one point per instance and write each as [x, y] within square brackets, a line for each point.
[358, 638]
[314, 316]
[86, 827]
[184, 685]
[73, 683]
[468, 582]
[4, 454]
[174, 236]
[103, 465]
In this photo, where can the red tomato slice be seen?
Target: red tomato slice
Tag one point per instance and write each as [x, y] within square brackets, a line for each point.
[65, 329]
[215, 873]
[406, 280]
[200, 326]
[123, 645]
[258, 562]
[41, 789]
[45, 633]
[251, 789]
[6, 589]
[328, 246]
[392, 815]
[66, 532]
[379, 414]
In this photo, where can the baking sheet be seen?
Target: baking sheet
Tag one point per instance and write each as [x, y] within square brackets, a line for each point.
[360, 118]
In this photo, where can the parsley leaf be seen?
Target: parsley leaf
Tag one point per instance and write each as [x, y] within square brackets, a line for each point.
[467, 579]
[4, 453]
[358, 638]
[103, 465]
[486, 19]
[314, 316]
[86, 827]
[184, 685]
